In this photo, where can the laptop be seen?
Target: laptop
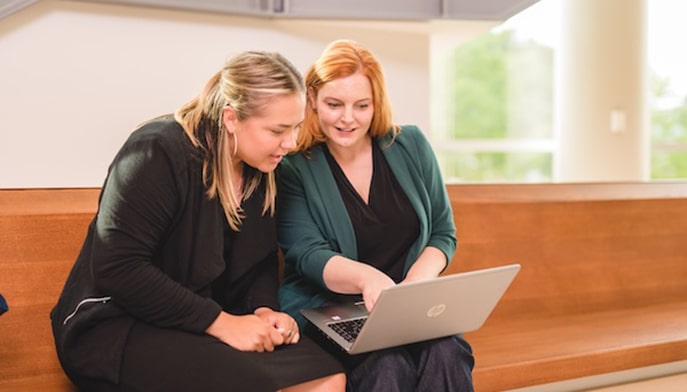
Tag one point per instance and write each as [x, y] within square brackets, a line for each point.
[415, 311]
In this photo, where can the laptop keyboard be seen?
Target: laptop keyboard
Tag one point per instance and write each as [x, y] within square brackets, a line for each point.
[348, 329]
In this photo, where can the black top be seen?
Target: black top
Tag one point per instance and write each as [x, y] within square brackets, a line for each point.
[251, 260]
[386, 227]
[153, 252]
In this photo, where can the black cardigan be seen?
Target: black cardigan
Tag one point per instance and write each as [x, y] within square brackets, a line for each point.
[155, 252]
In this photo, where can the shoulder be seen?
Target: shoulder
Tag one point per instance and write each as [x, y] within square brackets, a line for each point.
[304, 159]
[161, 137]
[294, 159]
[411, 133]
[156, 147]
[409, 138]
[163, 131]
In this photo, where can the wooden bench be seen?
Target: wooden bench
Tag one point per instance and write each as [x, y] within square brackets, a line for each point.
[603, 285]
[41, 232]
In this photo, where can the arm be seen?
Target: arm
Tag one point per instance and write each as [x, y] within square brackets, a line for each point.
[442, 237]
[140, 198]
[429, 265]
[436, 245]
[302, 218]
[315, 248]
[246, 332]
[346, 276]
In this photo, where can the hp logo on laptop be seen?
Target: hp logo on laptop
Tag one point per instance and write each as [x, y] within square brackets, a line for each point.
[436, 310]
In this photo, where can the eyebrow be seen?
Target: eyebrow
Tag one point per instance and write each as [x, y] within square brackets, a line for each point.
[338, 99]
[288, 125]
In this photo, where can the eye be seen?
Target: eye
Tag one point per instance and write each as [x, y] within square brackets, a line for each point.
[333, 104]
[364, 105]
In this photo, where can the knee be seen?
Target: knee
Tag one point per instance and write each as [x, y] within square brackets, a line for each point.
[464, 350]
[386, 370]
[390, 361]
[453, 349]
[336, 382]
[333, 383]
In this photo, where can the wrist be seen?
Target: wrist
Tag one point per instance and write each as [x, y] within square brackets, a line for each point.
[262, 310]
[215, 326]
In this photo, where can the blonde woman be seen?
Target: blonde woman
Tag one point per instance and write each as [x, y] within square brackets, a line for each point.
[175, 288]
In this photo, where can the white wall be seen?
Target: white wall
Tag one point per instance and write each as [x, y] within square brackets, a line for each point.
[76, 78]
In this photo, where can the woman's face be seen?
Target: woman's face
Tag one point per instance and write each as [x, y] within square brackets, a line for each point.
[265, 138]
[345, 110]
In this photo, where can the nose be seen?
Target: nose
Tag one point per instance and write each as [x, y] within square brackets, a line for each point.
[288, 142]
[347, 115]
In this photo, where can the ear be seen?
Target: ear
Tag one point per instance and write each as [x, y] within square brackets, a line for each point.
[312, 98]
[229, 118]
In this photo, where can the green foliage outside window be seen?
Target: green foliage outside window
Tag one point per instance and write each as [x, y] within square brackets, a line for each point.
[668, 134]
[668, 165]
[501, 90]
[479, 90]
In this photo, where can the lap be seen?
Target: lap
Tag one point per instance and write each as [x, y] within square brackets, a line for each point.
[159, 359]
[443, 364]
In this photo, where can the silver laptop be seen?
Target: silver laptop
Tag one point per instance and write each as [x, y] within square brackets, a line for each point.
[417, 311]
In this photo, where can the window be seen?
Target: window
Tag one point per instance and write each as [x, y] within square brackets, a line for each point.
[493, 120]
[497, 125]
[668, 86]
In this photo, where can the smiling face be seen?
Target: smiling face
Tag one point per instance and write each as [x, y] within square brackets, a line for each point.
[345, 110]
[264, 139]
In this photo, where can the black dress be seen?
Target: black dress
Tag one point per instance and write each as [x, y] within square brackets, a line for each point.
[158, 264]
[199, 362]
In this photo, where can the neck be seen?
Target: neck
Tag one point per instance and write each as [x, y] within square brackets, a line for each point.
[350, 153]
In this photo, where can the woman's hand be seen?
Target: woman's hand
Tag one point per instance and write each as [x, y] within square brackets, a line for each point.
[372, 286]
[282, 322]
[346, 276]
[246, 333]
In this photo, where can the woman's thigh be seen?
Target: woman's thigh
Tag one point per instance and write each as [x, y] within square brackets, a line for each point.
[159, 359]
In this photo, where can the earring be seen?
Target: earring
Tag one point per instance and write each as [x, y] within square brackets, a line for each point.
[236, 143]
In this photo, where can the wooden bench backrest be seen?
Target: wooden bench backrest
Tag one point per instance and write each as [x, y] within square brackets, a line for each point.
[583, 247]
[41, 232]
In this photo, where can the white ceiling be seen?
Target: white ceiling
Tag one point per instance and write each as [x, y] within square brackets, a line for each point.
[488, 10]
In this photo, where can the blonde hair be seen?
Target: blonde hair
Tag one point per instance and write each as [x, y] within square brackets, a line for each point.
[246, 83]
[340, 59]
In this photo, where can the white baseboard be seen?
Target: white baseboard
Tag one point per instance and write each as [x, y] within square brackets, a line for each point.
[609, 379]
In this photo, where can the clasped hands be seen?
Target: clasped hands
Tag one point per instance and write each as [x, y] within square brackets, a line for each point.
[261, 331]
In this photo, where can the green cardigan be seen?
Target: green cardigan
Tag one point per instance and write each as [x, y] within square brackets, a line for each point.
[313, 224]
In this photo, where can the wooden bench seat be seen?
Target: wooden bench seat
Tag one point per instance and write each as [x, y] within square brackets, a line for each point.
[603, 285]
[41, 232]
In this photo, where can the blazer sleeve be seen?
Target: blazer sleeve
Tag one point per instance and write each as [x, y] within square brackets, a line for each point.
[442, 225]
[143, 192]
[302, 218]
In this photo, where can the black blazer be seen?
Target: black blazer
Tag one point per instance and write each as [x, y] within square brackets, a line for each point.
[153, 253]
